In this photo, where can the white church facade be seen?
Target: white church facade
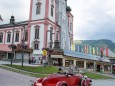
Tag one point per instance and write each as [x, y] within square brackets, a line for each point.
[46, 18]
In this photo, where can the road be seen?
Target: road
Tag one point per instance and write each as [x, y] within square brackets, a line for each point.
[108, 82]
[9, 78]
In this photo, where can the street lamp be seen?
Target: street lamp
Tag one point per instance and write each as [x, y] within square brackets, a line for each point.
[50, 47]
[12, 21]
[23, 46]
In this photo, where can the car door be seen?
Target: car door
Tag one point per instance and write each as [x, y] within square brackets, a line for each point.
[74, 80]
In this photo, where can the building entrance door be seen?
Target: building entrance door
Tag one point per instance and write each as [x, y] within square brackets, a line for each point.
[60, 61]
[98, 68]
[67, 63]
[9, 55]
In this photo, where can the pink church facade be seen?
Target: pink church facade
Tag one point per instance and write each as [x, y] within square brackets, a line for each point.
[39, 31]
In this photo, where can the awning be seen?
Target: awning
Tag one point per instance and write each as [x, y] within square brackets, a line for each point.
[81, 55]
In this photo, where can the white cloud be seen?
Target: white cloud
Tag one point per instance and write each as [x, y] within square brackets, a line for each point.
[93, 19]
[18, 8]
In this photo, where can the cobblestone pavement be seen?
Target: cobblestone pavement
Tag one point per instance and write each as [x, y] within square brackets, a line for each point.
[9, 78]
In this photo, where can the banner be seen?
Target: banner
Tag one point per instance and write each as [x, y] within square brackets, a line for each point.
[90, 49]
[73, 47]
[102, 49]
[107, 52]
[93, 50]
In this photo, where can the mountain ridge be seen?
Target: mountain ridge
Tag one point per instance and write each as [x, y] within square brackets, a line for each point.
[100, 43]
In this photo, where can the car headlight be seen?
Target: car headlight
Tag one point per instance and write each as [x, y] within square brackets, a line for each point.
[85, 76]
[38, 84]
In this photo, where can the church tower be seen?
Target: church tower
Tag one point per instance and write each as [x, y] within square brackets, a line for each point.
[42, 25]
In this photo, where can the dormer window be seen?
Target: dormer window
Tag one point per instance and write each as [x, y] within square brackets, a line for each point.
[1, 37]
[38, 7]
[37, 32]
[8, 36]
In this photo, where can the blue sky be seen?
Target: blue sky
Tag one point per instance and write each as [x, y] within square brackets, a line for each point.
[93, 19]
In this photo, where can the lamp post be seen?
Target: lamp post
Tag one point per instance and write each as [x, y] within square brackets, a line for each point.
[23, 46]
[12, 21]
[50, 47]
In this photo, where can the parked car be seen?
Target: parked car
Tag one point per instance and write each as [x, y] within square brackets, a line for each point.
[64, 79]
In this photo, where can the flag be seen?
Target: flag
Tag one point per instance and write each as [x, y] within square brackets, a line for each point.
[85, 49]
[1, 18]
[93, 50]
[107, 52]
[97, 50]
[73, 47]
[102, 49]
[90, 49]
[79, 48]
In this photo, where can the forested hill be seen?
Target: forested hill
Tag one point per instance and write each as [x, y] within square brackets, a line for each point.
[100, 43]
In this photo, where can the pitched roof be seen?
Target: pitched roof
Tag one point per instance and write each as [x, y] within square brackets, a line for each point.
[16, 24]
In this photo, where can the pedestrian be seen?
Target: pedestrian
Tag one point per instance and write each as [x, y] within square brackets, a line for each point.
[72, 68]
[101, 69]
[32, 60]
[29, 60]
[60, 71]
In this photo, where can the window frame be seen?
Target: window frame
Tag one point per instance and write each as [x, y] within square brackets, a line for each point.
[52, 10]
[8, 38]
[26, 35]
[36, 45]
[1, 34]
[38, 8]
[37, 32]
[17, 38]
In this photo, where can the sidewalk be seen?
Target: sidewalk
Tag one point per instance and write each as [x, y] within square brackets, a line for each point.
[19, 63]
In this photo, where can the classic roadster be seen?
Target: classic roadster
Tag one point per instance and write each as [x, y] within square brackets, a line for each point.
[65, 79]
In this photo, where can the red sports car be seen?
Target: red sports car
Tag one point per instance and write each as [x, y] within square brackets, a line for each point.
[63, 80]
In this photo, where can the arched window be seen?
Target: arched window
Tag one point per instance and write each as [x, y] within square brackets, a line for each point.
[37, 32]
[1, 37]
[38, 7]
[17, 36]
[8, 36]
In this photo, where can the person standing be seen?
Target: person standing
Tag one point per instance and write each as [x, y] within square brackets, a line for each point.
[72, 68]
